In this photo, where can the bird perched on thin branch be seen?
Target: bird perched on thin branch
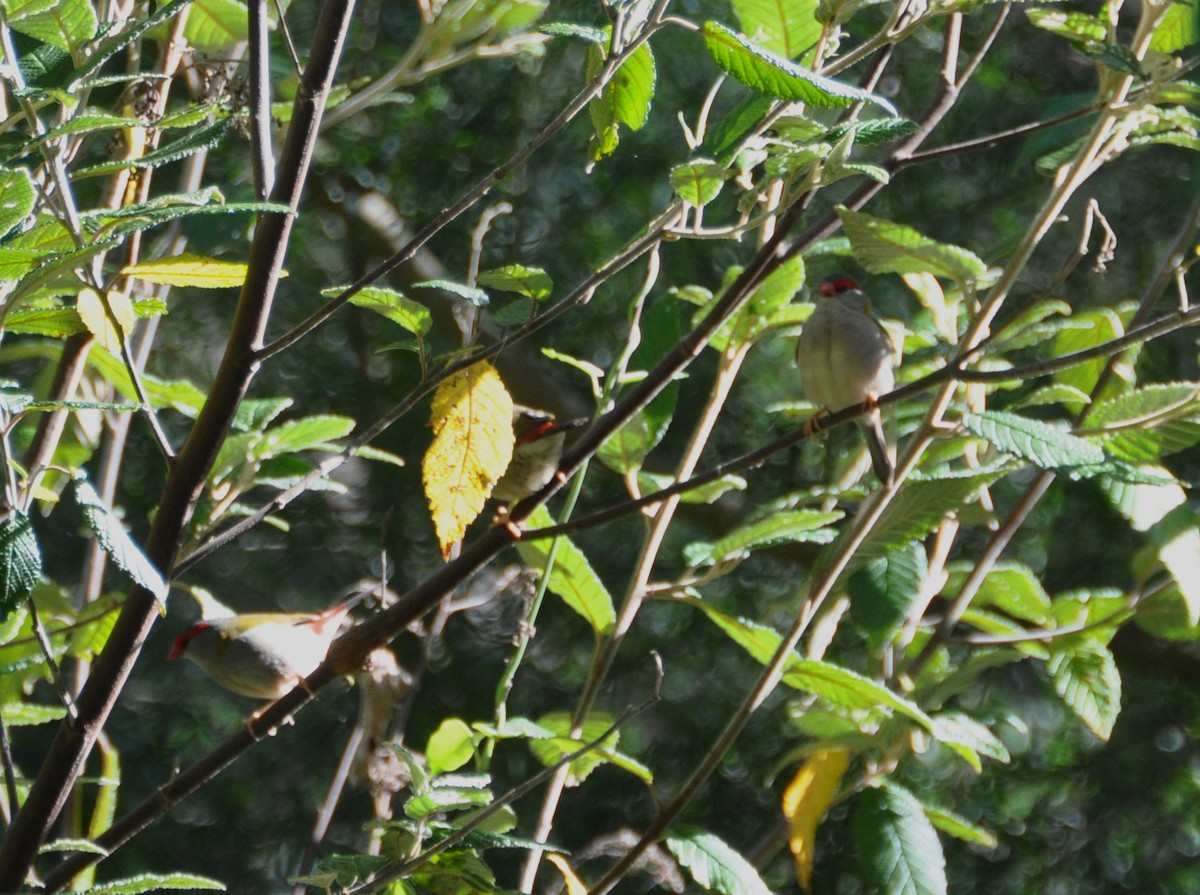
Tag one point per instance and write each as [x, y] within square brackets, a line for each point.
[846, 359]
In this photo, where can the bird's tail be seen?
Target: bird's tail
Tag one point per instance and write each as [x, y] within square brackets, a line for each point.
[881, 455]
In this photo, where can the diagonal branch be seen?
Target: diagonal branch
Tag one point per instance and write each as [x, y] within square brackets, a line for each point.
[65, 759]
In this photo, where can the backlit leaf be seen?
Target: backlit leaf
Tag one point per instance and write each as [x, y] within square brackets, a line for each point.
[805, 802]
[472, 446]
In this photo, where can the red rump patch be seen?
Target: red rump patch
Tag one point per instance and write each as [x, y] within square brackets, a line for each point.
[179, 647]
[837, 284]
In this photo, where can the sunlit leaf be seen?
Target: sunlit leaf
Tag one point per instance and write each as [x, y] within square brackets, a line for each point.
[190, 270]
[805, 801]
[572, 578]
[472, 446]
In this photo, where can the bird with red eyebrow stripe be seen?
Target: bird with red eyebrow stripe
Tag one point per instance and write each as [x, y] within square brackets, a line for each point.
[536, 452]
[846, 359]
[261, 654]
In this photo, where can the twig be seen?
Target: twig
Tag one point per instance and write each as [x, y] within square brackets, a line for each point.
[261, 158]
[65, 758]
[406, 868]
[468, 199]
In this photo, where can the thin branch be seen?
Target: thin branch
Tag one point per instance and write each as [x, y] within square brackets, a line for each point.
[261, 158]
[468, 199]
[68, 752]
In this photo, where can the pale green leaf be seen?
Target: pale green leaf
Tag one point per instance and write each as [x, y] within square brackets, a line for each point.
[395, 306]
[572, 578]
[883, 246]
[532, 282]
[187, 269]
[450, 746]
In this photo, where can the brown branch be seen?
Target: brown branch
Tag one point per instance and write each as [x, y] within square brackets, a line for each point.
[67, 755]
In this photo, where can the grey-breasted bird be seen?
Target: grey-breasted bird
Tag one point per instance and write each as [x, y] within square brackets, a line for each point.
[846, 359]
[536, 452]
[261, 654]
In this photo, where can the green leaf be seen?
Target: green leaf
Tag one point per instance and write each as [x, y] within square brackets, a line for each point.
[772, 75]
[968, 738]
[699, 181]
[66, 24]
[198, 140]
[1178, 29]
[395, 306]
[897, 846]
[455, 792]
[1053, 394]
[16, 198]
[920, 508]
[1091, 328]
[84, 846]
[216, 25]
[191, 270]
[838, 686]
[713, 864]
[1044, 445]
[1086, 678]
[883, 590]
[1144, 425]
[779, 528]
[474, 295]
[786, 29]
[572, 579]
[959, 827]
[625, 99]
[116, 542]
[550, 742]
[114, 44]
[570, 29]
[649, 482]
[26, 714]
[883, 246]
[1012, 588]
[20, 562]
[450, 746]
[55, 323]
[532, 282]
[305, 434]
[153, 882]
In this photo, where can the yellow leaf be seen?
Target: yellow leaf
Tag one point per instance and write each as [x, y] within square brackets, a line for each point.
[190, 270]
[91, 312]
[472, 446]
[805, 802]
[575, 885]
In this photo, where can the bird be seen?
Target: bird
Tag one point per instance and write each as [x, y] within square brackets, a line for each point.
[262, 655]
[847, 359]
[537, 449]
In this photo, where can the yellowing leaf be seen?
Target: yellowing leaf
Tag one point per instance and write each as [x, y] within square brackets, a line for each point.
[190, 270]
[472, 446]
[91, 312]
[805, 802]
[575, 885]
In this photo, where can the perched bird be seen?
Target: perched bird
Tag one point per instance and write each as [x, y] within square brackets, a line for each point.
[262, 654]
[846, 359]
[536, 452]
